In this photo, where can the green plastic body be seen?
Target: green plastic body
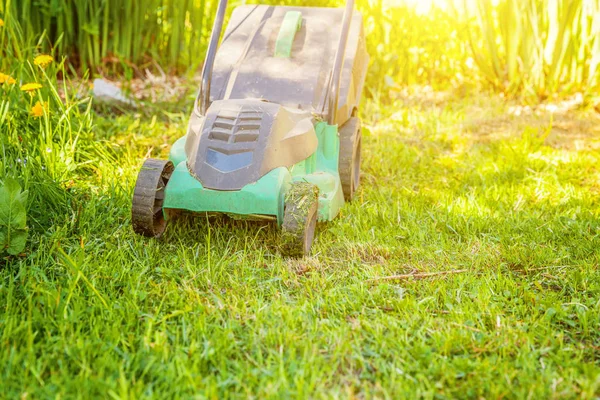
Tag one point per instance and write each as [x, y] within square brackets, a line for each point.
[266, 196]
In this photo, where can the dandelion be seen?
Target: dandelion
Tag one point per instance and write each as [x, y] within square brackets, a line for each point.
[1, 22]
[38, 109]
[7, 79]
[43, 60]
[31, 87]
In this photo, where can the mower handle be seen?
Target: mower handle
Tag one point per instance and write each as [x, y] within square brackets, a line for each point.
[203, 99]
[333, 92]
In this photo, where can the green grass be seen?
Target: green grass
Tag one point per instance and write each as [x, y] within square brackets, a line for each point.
[212, 309]
[452, 181]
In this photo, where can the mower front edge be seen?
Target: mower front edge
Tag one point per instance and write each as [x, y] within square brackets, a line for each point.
[264, 197]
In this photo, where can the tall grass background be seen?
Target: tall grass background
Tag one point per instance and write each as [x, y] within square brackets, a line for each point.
[106, 34]
[537, 47]
[532, 48]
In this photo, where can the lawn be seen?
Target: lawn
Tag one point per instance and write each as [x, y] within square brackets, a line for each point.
[508, 202]
[467, 267]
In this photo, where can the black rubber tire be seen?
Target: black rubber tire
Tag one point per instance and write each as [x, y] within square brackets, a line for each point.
[147, 215]
[350, 155]
[300, 219]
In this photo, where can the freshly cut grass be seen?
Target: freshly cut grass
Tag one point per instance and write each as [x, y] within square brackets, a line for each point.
[213, 310]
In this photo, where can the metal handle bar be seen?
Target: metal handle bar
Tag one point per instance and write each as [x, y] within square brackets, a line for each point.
[204, 93]
[336, 72]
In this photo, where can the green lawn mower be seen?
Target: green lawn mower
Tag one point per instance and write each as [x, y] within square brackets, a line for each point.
[274, 132]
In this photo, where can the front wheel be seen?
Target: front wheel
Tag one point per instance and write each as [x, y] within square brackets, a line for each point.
[147, 214]
[300, 219]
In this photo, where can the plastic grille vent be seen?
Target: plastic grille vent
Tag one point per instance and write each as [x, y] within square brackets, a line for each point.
[236, 126]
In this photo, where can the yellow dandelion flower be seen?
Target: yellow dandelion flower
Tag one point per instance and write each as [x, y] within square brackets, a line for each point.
[1, 22]
[38, 109]
[43, 60]
[31, 87]
[7, 79]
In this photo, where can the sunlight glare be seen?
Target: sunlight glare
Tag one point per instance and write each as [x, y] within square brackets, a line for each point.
[424, 6]
[421, 6]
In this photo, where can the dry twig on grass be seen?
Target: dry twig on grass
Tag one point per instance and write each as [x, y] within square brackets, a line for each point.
[417, 275]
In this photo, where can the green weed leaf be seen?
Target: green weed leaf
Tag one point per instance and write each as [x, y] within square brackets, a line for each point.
[17, 243]
[13, 217]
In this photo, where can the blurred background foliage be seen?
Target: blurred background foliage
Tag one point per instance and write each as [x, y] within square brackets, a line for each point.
[529, 48]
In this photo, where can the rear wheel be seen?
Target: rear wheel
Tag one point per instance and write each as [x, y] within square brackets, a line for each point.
[147, 214]
[300, 219]
[349, 159]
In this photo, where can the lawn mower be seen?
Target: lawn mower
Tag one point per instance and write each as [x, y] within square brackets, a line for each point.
[263, 139]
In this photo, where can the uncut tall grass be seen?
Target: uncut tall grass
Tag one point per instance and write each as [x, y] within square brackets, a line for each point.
[535, 48]
[109, 34]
